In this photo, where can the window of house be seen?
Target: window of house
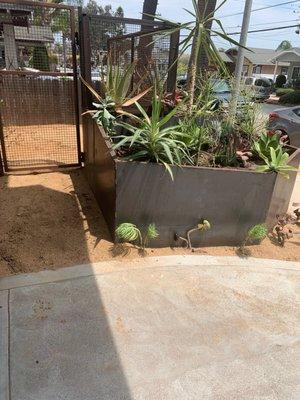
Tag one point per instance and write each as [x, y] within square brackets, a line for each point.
[296, 73]
[284, 70]
[245, 70]
[257, 69]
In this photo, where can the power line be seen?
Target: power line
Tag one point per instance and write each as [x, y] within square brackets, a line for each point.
[266, 29]
[258, 30]
[263, 23]
[262, 8]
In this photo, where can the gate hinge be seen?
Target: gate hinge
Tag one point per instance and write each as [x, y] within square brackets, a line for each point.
[82, 156]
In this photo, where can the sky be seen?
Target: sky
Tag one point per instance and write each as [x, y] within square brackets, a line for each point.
[274, 17]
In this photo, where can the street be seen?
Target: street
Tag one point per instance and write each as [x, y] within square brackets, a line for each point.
[268, 108]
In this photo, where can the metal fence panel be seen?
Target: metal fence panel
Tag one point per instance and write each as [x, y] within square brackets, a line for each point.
[38, 85]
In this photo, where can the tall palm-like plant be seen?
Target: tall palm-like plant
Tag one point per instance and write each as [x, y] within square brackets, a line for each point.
[206, 8]
[200, 31]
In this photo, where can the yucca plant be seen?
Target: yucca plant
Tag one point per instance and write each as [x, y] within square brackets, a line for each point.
[131, 233]
[150, 139]
[276, 163]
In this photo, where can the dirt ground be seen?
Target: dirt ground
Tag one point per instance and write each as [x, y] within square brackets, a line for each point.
[52, 220]
[40, 145]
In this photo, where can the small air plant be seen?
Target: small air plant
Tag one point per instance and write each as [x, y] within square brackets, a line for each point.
[204, 225]
[256, 233]
[129, 232]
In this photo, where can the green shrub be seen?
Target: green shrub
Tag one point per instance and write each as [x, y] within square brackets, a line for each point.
[283, 91]
[280, 81]
[40, 58]
[290, 98]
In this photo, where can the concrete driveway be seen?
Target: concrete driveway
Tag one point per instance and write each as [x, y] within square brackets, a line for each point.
[167, 328]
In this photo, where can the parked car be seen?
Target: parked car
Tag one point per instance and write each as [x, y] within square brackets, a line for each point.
[286, 121]
[262, 87]
[221, 90]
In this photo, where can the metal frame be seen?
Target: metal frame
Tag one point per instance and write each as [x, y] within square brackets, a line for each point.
[157, 26]
[74, 74]
[173, 53]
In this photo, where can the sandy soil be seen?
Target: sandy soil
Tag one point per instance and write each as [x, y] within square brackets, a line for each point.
[52, 220]
[40, 145]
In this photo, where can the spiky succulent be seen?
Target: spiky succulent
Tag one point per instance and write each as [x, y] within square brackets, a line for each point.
[258, 232]
[128, 232]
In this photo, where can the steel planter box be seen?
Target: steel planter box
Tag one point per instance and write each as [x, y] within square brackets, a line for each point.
[232, 200]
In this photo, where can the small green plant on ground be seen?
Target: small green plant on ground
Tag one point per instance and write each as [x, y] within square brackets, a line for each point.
[291, 98]
[283, 91]
[255, 234]
[129, 232]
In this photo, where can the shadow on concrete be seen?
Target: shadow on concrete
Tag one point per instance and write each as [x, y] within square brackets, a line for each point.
[61, 342]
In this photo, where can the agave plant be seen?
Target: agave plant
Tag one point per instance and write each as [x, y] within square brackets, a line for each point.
[276, 163]
[115, 96]
[265, 143]
[151, 139]
[131, 233]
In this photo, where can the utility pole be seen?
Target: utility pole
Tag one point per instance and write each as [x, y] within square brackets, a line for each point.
[241, 55]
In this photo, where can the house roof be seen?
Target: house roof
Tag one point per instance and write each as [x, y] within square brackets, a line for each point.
[260, 56]
[35, 34]
[225, 57]
[287, 56]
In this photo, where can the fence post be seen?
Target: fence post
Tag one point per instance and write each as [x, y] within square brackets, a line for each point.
[173, 62]
[1, 165]
[75, 81]
[3, 159]
[85, 58]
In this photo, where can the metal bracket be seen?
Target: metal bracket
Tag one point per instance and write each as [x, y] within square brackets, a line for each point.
[82, 157]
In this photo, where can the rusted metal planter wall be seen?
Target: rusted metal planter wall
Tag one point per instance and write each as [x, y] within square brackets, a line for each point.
[232, 200]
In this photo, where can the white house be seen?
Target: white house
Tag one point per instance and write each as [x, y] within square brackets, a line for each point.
[292, 58]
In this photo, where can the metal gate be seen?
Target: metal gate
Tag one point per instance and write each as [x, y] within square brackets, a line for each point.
[39, 125]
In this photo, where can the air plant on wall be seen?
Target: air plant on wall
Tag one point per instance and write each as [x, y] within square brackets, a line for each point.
[203, 226]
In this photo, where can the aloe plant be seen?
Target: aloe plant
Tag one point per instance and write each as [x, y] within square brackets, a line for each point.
[115, 96]
[131, 233]
[150, 139]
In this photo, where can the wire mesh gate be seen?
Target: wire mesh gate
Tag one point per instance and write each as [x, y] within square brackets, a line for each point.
[39, 110]
[123, 40]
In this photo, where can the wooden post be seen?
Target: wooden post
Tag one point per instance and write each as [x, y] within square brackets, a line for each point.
[275, 71]
[173, 62]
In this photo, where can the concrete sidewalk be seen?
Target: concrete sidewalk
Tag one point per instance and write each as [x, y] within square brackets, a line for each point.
[168, 328]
